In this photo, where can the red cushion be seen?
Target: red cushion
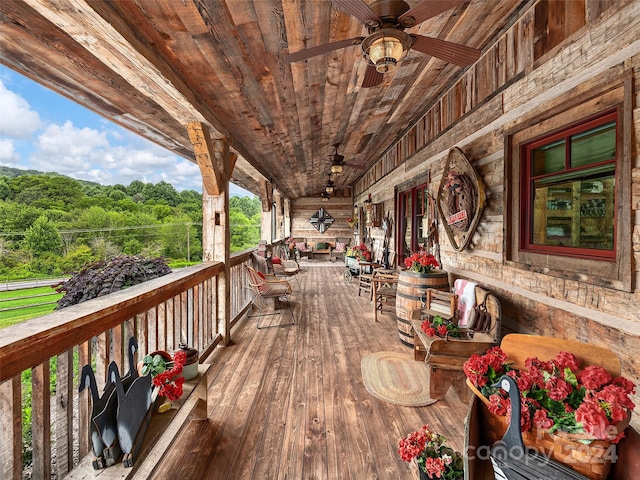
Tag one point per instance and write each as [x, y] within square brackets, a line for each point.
[276, 260]
[261, 275]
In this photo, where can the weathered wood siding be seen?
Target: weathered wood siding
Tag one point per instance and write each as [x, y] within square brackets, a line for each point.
[547, 57]
[340, 207]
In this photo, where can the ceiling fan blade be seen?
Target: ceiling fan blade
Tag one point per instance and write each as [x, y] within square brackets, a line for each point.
[360, 10]
[372, 78]
[455, 53]
[320, 49]
[427, 9]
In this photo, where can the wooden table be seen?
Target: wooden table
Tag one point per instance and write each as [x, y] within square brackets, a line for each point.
[379, 281]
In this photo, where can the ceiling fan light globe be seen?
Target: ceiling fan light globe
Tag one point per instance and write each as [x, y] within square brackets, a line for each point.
[329, 189]
[385, 48]
[336, 168]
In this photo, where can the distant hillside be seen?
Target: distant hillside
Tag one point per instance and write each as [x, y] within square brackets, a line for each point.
[16, 172]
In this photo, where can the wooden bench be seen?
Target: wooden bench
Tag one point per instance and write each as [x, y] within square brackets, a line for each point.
[446, 357]
[162, 431]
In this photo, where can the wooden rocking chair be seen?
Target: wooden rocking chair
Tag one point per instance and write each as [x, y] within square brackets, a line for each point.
[268, 286]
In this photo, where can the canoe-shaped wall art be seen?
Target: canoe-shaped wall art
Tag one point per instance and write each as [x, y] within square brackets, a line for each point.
[460, 199]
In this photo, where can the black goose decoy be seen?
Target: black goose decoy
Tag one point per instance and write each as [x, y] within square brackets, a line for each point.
[510, 458]
[103, 415]
[133, 404]
[112, 451]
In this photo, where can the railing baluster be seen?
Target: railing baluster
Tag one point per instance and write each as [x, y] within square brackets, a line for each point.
[63, 413]
[41, 420]
[11, 429]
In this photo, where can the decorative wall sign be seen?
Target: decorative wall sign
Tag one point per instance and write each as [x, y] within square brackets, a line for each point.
[321, 220]
[460, 199]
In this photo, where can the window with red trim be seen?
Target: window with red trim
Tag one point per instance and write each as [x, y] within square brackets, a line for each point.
[568, 194]
[413, 219]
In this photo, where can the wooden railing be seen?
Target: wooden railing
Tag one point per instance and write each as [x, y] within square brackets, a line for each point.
[162, 313]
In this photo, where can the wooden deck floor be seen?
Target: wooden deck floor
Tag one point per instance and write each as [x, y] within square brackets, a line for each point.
[289, 402]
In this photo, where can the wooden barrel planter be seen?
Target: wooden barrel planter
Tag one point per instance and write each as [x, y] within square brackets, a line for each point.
[412, 288]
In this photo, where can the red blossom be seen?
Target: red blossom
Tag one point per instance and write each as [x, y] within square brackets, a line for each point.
[558, 389]
[498, 405]
[594, 377]
[442, 330]
[566, 360]
[541, 419]
[434, 466]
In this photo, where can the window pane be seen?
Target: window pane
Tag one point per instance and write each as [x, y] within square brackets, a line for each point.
[575, 213]
[549, 158]
[407, 220]
[596, 145]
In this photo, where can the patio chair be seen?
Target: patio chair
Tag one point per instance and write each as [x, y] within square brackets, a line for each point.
[340, 250]
[283, 268]
[267, 286]
[304, 250]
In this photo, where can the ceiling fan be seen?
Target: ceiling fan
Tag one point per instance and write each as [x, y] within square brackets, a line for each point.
[387, 43]
[338, 164]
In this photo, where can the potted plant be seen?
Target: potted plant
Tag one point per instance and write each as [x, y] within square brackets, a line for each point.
[166, 372]
[434, 458]
[565, 408]
[439, 327]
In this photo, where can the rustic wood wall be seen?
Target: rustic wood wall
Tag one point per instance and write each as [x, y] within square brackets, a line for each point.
[549, 55]
[339, 206]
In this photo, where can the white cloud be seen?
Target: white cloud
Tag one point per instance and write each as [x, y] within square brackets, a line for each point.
[17, 119]
[8, 154]
[106, 154]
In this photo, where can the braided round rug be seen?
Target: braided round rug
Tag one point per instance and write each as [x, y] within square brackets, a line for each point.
[396, 378]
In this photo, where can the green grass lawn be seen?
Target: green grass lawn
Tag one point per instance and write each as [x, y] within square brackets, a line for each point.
[19, 298]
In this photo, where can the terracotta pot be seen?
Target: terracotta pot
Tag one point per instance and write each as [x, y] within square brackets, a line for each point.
[164, 354]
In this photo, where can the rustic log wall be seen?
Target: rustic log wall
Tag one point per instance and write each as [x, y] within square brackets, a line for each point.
[339, 206]
[539, 63]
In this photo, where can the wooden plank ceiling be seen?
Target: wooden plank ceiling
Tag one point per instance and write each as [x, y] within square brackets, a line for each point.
[153, 66]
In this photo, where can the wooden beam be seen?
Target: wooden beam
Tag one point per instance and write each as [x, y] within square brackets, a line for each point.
[203, 147]
[266, 195]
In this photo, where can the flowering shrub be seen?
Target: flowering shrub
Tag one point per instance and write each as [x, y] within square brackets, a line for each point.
[361, 252]
[557, 394]
[421, 262]
[432, 455]
[166, 374]
[440, 327]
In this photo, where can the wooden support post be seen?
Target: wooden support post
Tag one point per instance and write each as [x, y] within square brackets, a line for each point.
[216, 163]
[266, 223]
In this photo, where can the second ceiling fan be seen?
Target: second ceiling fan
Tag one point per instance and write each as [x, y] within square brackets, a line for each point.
[387, 42]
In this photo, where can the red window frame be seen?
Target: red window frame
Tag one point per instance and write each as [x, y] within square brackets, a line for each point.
[527, 188]
[416, 211]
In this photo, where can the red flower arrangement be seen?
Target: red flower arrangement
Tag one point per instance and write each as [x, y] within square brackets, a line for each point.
[361, 252]
[166, 374]
[431, 454]
[421, 262]
[440, 328]
[556, 394]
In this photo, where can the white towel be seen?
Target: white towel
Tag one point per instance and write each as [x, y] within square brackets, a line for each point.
[466, 291]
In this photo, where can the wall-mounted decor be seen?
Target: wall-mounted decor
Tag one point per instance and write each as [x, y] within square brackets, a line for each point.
[460, 199]
[321, 220]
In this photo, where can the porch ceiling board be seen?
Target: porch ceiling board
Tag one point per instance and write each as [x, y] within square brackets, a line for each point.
[154, 67]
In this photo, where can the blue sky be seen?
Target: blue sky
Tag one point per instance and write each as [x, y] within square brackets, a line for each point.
[44, 131]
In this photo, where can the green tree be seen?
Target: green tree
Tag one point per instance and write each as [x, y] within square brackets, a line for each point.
[44, 190]
[244, 233]
[248, 206]
[43, 237]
